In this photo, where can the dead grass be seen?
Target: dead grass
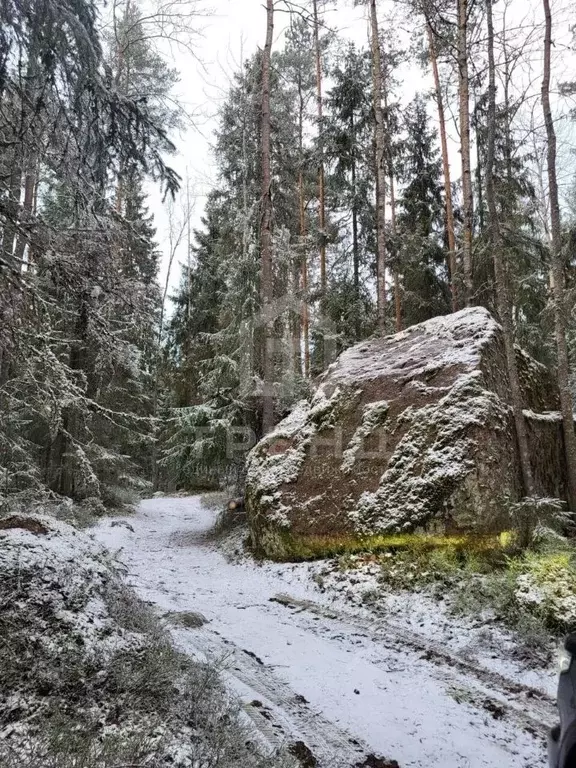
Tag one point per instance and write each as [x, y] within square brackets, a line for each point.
[128, 698]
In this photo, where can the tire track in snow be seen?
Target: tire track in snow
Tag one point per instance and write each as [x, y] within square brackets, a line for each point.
[529, 707]
[406, 706]
[285, 716]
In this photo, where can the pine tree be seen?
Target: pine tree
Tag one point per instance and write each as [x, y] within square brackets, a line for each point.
[206, 373]
[297, 65]
[502, 290]
[558, 286]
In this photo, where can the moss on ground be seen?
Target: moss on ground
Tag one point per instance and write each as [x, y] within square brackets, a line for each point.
[292, 548]
[532, 591]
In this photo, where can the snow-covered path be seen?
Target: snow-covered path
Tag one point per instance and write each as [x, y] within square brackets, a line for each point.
[308, 671]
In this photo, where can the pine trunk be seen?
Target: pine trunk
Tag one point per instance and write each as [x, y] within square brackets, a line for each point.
[397, 288]
[355, 242]
[266, 286]
[558, 287]
[304, 316]
[12, 208]
[380, 169]
[321, 175]
[30, 182]
[464, 103]
[450, 230]
[502, 291]
[305, 320]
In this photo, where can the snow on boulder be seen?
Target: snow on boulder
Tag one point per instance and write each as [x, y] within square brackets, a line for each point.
[409, 432]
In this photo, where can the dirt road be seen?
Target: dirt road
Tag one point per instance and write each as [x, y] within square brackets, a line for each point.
[344, 683]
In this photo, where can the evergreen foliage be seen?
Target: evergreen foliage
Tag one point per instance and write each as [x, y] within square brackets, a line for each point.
[78, 297]
[421, 251]
[103, 388]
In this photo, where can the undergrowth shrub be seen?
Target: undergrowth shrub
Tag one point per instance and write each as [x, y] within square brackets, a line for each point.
[89, 677]
[533, 591]
[530, 514]
[228, 520]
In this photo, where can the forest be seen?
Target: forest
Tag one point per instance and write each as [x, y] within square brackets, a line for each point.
[343, 208]
[368, 178]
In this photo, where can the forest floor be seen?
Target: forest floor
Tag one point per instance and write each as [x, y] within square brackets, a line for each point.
[310, 666]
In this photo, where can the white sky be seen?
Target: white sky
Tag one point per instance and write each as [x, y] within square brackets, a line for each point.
[236, 28]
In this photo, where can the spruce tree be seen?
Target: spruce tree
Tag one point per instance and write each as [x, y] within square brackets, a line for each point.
[349, 127]
[421, 247]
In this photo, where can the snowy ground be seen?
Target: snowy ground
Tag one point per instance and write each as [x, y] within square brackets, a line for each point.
[311, 668]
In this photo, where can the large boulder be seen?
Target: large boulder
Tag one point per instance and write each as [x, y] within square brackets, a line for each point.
[409, 432]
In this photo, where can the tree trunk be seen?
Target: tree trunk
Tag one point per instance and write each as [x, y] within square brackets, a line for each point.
[304, 316]
[355, 242]
[479, 180]
[502, 291]
[397, 286]
[467, 192]
[12, 207]
[388, 138]
[30, 181]
[266, 285]
[305, 321]
[558, 287]
[380, 169]
[294, 323]
[321, 178]
[450, 230]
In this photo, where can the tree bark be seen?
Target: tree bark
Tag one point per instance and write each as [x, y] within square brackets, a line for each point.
[390, 163]
[12, 206]
[294, 320]
[304, 316]
[558, 287]
[397, 286]
[321, 175]
[380, 169]
[305, 321]
[266, 284]
[502, 291]
[467, 192]
[30, 182]
[479, 180]
[450, 230]
[355, 242]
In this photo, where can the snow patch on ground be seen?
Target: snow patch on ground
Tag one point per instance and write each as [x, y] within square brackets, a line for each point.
[478, 639]
[87, 672]
[360, 683]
